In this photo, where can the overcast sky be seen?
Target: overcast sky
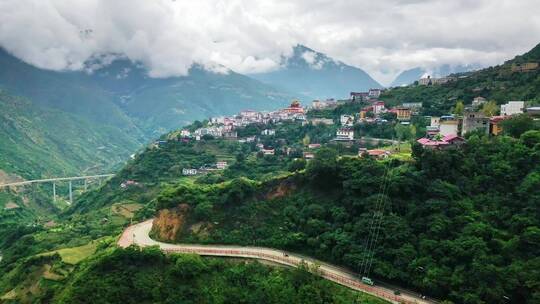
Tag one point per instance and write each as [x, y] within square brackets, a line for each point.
[382, 37]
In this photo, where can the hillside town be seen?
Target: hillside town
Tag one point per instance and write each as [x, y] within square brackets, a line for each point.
[441, 132]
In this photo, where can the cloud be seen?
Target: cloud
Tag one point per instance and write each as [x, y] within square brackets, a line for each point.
[383, 37]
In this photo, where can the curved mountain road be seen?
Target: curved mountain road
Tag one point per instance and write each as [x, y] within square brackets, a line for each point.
[139, 234]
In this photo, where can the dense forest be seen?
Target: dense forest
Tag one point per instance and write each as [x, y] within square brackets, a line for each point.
[461, 224]
[112, 277]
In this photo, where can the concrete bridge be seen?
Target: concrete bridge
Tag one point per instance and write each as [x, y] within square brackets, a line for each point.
[59, 179]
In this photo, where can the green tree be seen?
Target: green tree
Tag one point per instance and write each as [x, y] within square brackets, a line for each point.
[459, 108]
[490, 108]
[517, 125]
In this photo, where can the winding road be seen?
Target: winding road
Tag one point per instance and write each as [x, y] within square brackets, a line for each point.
[139, 234]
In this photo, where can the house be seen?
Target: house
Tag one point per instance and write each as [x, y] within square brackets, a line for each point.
[441, 143]
[475, 121]
[412, 105]
[321, 121]
[221, 165]
[512, 108]
[347, 120]
[129, 183]
[294, 108]
[448, 125]
[308, 155]
[271, 151]
[478, 101]
[425, 81]
[378, 107]
[344, 134]
[185, 133]
[268, 132]
[378, 153]
[374, 93]
[314, 146]
[359, 96]
[524, 67]
[230, 134]
[186, 171]
[403, 113]
[495, 127]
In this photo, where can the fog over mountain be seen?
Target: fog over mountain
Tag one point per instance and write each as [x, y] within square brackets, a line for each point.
[168, 37]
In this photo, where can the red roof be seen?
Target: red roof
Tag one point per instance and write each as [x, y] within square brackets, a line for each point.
[497, 119]
[377, 152]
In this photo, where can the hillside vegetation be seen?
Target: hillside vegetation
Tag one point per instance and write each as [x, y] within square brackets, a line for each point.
[461, 225]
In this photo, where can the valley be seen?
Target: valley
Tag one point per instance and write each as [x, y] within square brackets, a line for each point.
[119, 187]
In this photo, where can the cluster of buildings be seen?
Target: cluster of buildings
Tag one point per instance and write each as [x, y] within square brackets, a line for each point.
[225, 127]
[220, 165]
[433, 81]
[445, 131]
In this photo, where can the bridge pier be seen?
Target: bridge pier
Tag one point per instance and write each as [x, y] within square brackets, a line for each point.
[70, 193]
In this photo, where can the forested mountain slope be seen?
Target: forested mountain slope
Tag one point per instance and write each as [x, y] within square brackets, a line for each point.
[121, 94]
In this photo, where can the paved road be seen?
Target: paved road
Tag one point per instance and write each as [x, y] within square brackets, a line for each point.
[139, 234]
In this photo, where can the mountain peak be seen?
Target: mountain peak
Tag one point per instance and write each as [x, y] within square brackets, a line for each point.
[316, 75]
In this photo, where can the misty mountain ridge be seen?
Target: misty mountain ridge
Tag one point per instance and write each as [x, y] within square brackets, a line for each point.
[317, 76]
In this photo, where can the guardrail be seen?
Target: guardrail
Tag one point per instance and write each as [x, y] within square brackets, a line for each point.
[348, 282]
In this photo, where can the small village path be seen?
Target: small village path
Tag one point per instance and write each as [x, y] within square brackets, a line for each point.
[139, 234]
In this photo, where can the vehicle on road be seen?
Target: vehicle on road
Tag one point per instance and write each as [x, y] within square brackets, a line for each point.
[367, 281]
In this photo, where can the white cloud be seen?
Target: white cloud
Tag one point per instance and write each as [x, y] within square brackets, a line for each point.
[383, 37]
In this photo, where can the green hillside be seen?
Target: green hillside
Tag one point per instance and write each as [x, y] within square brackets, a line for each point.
[38, 142]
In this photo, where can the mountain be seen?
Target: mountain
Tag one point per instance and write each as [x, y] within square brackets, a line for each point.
[122, 94]
[317, 76]
[411, 75]
[38, 141]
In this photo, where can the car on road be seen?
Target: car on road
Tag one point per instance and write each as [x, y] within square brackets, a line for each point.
[367, 281]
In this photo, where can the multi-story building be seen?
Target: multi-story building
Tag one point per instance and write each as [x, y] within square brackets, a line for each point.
[403, 114]
[378, 107]
[512, 108]
[448, 125]
[374, 93]
[345, 134]
[475, 121]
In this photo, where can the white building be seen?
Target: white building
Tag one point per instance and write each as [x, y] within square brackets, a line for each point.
[186, 171]
[378, 107]
[478, 101]
[221, 165]
[347, 120]
[268, 132]
[185, 133]
[448, 125]
[374, 93]
[344, 134]
[512, 108]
